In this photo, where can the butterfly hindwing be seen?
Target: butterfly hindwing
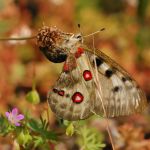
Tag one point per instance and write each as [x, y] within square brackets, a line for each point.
[72, 97]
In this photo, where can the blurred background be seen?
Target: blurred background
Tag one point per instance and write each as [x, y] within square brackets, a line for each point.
[126, 39]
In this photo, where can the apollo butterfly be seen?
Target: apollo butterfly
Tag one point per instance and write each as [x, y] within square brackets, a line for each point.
[90, 82]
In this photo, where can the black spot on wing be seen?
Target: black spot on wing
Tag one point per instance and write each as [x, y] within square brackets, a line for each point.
[55, 90]
[116, 89]
[98, 61]
[124, 79]
[67, 95]
[109, 73]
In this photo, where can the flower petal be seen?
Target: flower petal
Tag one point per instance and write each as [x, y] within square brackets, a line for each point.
[17, 124]
[20, 117]
[14, 111]
[7, 114]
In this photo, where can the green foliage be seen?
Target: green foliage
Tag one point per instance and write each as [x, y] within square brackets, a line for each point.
[41, 128]
[141, 10]
[38, 141]
[90, 139]
[142, 38]
[32, 133]
[4, 126]
[87, 137]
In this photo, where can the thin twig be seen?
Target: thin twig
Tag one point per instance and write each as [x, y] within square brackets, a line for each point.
[99, 94]
[17, 38]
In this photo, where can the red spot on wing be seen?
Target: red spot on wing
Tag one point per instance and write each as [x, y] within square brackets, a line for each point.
[87, 75]
[79, 51]
[77, 97]
[70, 65]
[61, 93]
[66, 67]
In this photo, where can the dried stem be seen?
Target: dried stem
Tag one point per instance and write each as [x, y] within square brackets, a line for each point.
[17, 38]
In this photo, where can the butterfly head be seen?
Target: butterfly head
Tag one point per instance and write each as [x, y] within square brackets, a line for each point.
[55, 44]
[72, 42]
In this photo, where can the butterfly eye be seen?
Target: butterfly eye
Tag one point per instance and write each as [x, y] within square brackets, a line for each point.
[78, 36]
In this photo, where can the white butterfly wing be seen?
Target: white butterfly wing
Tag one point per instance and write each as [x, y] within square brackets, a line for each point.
[116, 92]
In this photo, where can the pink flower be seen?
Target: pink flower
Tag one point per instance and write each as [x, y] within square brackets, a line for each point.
[14, 117]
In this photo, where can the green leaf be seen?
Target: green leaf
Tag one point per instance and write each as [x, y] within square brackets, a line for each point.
[34, 125]
[5, 126]
[33, 97]
[38, 141]
[37, 127]
[50, 135]
[89, 139]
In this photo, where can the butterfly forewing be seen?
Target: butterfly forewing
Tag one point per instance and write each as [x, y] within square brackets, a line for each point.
[119, 92]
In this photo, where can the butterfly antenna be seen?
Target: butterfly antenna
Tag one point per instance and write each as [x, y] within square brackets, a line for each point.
[96, 32]
[79, 26]
[99, 94]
